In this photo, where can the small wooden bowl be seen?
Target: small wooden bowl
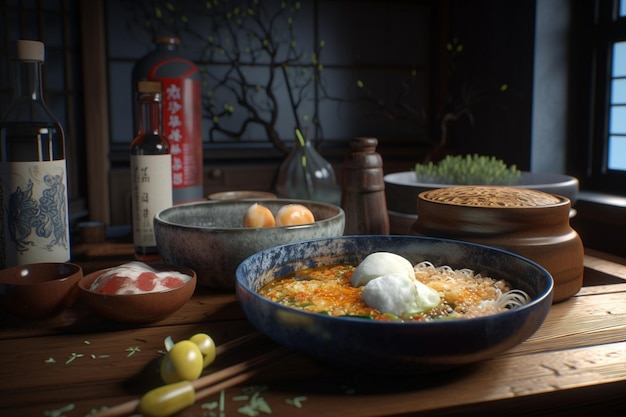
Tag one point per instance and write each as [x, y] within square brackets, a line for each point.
[38, 291]
[138, 308]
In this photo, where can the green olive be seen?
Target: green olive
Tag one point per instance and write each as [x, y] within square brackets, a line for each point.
[206, 345]
[167, 399]
[182, 363]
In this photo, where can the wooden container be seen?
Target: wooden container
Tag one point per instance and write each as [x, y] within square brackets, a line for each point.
[363, 191]
[530, 223]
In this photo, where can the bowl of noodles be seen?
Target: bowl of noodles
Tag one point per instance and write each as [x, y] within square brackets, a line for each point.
[394, 304]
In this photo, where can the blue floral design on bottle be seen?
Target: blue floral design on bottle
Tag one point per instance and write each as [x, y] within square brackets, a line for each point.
[52, 204]
[22, 211]
[47, 218]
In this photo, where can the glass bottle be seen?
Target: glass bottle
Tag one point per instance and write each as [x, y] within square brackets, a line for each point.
[151, 170]
[33, 190]
[182, 113]
[306, 175]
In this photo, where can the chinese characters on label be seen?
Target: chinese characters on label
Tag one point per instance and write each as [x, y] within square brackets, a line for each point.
[142, 176]
[152, 192]
[182, 129]
[174, 128]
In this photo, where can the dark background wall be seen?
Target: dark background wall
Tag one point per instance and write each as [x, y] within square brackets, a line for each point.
[487, 84]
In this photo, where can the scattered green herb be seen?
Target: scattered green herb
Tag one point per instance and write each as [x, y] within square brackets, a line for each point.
[259, 403]
[60, 412]
[74, 356]
[168, 343]
[241, 398]
[50, 360]
[296, 401]
[248, 410]
[255, 406]
[95, 411]
[132, 350]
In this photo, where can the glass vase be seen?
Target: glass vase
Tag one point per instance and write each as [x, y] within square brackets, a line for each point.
[306, 175]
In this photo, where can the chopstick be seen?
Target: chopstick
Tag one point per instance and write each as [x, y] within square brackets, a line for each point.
[220, 349]
[212, 383]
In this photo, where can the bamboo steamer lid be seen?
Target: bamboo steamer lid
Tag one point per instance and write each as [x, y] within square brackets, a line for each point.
[528, 222]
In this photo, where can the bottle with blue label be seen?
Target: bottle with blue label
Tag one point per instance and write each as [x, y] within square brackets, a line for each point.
[33, 187]
[182, 113]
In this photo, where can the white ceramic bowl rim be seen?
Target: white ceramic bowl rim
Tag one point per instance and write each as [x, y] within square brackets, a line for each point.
[529, 180]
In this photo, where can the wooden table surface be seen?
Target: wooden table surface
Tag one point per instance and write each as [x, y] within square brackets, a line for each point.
[77, 363]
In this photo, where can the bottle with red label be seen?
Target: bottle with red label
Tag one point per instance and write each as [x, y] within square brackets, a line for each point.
[182, 113]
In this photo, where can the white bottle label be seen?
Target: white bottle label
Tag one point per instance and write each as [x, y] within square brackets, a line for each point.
[151, 193]
[35, 212]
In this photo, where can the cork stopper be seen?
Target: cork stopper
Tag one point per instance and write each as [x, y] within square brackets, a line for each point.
[148, 87]
[29, 50]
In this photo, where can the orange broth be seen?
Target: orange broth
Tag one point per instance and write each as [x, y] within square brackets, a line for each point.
[328, 290]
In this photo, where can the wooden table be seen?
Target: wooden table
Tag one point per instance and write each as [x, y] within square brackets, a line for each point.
[76, 363]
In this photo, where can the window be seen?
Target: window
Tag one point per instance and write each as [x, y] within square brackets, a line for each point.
[606, 164]
[616, 150]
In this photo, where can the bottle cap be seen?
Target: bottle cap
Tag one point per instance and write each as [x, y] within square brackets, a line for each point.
[29, 50]
[148, 87]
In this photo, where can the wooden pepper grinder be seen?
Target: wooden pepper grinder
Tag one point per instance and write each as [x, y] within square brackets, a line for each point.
[363, 191]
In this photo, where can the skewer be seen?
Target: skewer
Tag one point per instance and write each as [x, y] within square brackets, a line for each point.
[214, 382]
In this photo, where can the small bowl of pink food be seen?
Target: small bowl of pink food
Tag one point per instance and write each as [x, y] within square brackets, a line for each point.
[138, 293]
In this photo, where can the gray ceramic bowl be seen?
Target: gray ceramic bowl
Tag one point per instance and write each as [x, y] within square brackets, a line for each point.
[209, 238]
[402, 188]
[394, 347]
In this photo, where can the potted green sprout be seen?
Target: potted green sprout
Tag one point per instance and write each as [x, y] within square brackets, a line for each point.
[468, 170]
[402, 188]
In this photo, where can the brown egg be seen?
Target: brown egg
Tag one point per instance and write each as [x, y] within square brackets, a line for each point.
[294, 214]
[258, 216]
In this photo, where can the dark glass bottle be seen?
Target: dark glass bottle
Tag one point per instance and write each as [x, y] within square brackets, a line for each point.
[182, 113]
[34, 172]
[151, 170]
[363, 194]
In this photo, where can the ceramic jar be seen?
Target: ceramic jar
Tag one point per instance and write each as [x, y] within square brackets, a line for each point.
[530, 223]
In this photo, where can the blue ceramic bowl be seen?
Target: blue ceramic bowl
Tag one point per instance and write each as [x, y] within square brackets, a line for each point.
[393, 347]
